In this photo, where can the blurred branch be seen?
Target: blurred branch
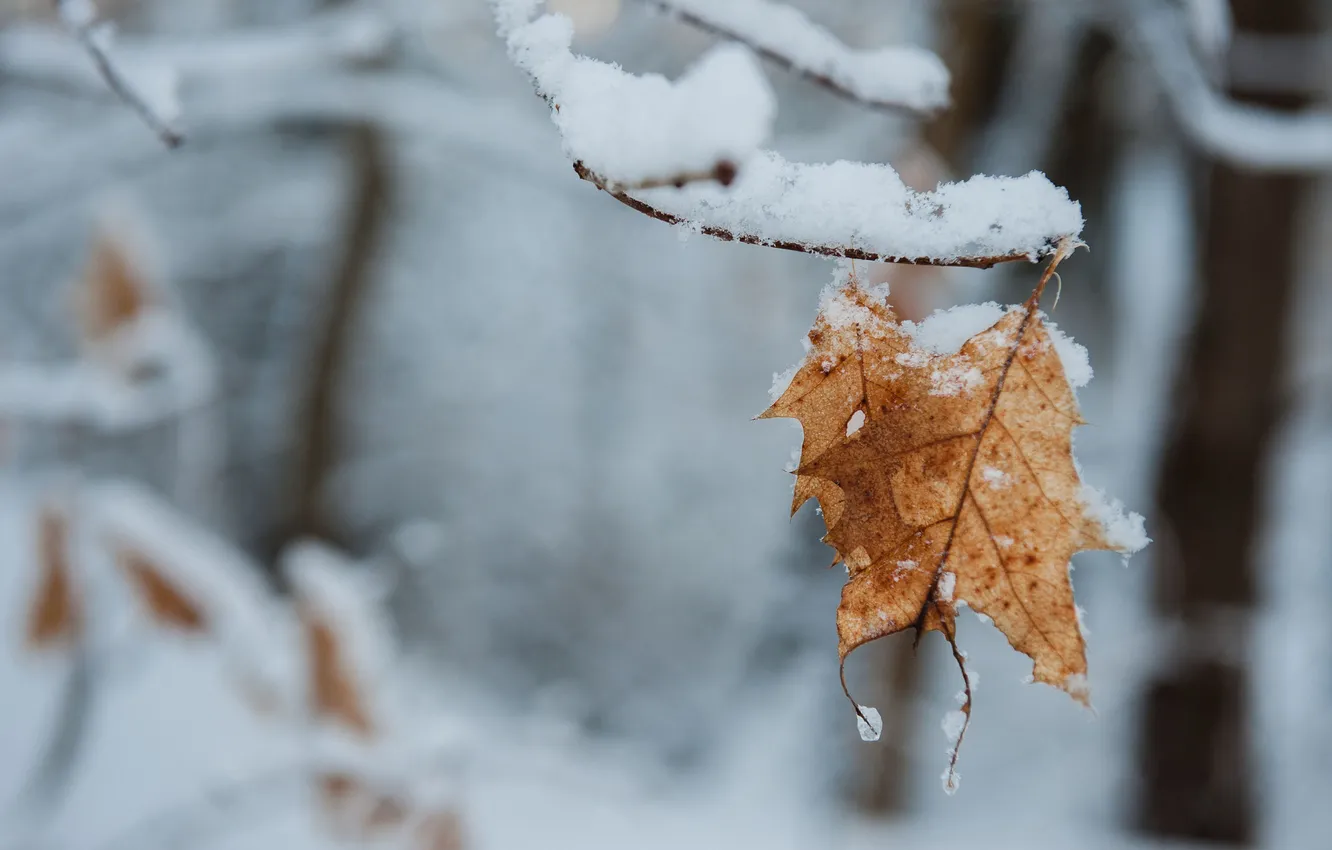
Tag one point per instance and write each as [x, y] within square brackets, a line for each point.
[80, 19]
[816, 54]
[316, 430]
[350, 38]
[1255, 137]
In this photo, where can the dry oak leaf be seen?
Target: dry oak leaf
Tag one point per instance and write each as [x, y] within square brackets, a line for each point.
[948, 479]
[166, 602]
[333, 689]
[54, 616]
[115, 288]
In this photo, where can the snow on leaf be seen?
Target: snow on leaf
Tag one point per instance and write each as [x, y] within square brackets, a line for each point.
[914, 482]
[347, 641]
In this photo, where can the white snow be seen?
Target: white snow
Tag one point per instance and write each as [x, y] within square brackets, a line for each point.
[1073, 356]
[946, 331]
[631, 129]
[952, 724]
[904, 76]
[947, 583]
[956, 379]
[780, 381]
[1125, 530]
[867, 207]
[78, 13]
[869, 723]
[995, 477]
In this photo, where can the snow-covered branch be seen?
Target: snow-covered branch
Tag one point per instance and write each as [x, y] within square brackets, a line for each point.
[158, 112]
[902, 77]
[863, 211]
[326, 42]
[633, 137]
[640, 131]
[1250, 136]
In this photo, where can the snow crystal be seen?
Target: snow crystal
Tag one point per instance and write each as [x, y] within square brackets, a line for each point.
[630, 129]
[953, 723]
[955, 380]
[995, 477]
[867, 206]
[1078, 686]
[1082, 620]
[855, 422]
[906, 76]
[780, 381]
[869, 723]
[946, 331]
[947, 583]
[951, 779]
[1124, 530]
[1076, 362]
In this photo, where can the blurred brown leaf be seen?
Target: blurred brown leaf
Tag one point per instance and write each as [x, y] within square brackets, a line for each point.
[53, 616]
[946, 479]
[440, 830]
[166, 602]
[333, 689]
[386, 812]
[115, 289]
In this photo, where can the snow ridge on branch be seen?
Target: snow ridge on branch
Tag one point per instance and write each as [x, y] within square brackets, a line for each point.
[688, 153]
[80, 19]
[901, 77]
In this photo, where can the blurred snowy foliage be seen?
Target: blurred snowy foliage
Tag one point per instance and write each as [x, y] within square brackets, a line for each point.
[545, 453]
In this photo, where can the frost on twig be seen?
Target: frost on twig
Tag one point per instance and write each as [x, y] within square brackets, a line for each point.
[80, 19]
[663, 149]
[886, 78]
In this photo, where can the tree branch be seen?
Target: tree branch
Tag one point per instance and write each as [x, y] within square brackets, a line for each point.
[842, 251]
[1248, 135]
[819, 57]
[80, 19]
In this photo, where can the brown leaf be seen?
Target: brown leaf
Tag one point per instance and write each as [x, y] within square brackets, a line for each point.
[341, 796]
[167, 603]
[54, 616]
[956, 484]
[386, 812]
[115, 289]
[336, 789]
[333, 689]
[440, 830]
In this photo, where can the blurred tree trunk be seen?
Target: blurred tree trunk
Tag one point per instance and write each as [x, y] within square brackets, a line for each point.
[1195, 747]
[315, 435]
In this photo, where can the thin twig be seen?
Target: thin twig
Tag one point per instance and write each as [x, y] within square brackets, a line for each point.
[822, 250]
[781, 60]
[83, 28]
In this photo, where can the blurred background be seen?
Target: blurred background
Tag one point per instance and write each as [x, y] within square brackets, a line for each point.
[369, 478]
